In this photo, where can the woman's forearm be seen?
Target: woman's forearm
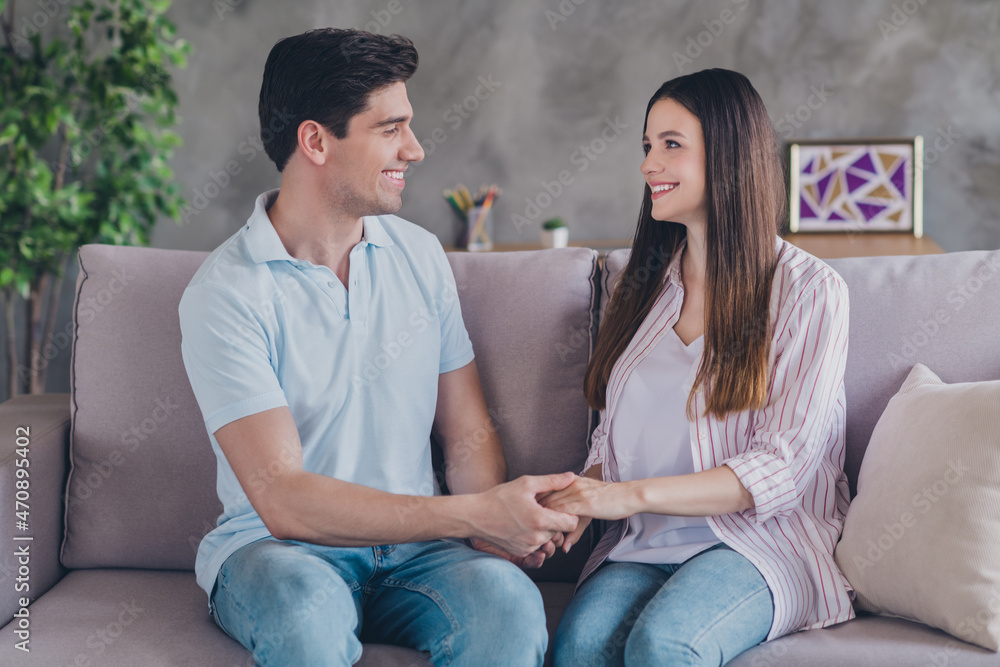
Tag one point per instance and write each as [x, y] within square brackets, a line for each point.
[708, 493]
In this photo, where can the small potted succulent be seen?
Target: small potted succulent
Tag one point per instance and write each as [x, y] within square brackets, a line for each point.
[555, 233]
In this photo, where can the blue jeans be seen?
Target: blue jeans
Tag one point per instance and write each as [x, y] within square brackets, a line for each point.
[295, 603]
[705, 611]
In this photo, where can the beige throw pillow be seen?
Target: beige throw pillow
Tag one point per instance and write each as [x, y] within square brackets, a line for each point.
[922, 538]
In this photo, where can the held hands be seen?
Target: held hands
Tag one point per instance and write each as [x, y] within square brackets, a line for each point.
[589, 499]
[516, 527]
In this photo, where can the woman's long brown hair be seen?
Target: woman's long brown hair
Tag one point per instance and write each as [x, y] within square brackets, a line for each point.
[744, 184]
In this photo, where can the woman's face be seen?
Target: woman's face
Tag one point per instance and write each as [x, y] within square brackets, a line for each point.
[674, 166]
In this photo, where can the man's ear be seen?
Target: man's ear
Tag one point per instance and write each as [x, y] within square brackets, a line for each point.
[314, 141]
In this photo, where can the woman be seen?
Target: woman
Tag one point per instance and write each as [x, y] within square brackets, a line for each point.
[719, 371]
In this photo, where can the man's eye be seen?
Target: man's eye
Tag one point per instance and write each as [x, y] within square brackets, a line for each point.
[391, 131]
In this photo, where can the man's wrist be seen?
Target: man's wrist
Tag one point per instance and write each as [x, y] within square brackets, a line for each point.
[461, 515]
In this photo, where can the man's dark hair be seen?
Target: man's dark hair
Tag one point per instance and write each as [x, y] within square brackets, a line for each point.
[325, 75]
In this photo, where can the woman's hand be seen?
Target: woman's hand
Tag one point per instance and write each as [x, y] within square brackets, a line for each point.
[574, 537]
[593, 499]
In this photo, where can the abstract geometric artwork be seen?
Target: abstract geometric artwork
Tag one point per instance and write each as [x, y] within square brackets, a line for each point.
[857, 185]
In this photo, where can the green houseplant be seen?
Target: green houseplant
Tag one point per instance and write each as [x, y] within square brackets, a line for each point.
[84, 145]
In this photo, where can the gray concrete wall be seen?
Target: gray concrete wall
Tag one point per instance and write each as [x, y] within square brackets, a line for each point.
[563, 68]
[560, 70]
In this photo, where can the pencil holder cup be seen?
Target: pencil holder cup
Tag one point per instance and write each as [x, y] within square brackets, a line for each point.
[479, 229]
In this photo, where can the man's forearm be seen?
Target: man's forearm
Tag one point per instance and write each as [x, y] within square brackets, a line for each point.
[471, 467]
[322, 510]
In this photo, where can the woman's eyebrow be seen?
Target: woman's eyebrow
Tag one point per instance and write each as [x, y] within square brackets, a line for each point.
[664, 135]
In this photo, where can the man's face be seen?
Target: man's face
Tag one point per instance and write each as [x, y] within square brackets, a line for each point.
[364, 175]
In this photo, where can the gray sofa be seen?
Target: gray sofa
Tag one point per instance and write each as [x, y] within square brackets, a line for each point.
[122, 476]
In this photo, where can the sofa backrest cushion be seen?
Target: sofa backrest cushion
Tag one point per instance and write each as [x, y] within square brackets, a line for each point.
[141, 491]
[940, 310]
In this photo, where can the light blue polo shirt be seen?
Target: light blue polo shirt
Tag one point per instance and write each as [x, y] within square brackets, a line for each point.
[358, 368]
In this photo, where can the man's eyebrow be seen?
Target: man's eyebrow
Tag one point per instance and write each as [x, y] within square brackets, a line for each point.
[664, 135]
[391, 121]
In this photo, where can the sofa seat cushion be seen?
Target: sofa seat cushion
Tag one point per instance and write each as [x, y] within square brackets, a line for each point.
[159, 618]
[868, 641]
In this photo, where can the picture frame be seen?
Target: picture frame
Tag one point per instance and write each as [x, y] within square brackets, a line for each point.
[856, 185]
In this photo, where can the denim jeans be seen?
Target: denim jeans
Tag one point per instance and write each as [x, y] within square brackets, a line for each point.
[705, 611]
[295, 603]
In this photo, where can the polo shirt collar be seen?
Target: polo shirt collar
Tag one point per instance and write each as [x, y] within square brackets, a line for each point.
[265, 245]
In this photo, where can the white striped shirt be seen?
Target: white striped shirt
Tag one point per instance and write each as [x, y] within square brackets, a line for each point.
[789, 454]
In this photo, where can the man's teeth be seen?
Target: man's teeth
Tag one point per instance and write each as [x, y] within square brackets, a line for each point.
[398, 175]
[661, 188]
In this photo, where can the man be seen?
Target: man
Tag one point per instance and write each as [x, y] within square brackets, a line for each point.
[324, 341]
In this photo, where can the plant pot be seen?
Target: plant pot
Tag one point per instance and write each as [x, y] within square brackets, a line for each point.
[555, 238]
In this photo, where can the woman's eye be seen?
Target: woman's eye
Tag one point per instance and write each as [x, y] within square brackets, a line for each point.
[645, 149]
[671, 141]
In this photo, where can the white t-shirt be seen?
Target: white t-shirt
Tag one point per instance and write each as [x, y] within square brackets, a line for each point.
[652, 438]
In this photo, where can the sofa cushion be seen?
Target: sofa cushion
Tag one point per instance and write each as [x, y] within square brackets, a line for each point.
[939, 310]
[867, 641]
[141, 491]
[123, 618]
[531, 317]
[922, 537]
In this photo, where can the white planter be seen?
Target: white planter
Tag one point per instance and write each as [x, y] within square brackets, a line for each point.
[555, 238]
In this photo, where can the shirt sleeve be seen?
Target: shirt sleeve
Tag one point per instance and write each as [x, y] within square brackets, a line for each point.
[598, 448]
[792, 432]
[456, 348]
[226, 352]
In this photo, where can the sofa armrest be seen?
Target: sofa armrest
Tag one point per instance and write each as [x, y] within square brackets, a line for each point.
[46, 420]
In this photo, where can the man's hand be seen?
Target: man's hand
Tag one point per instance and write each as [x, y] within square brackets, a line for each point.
[532, 561]
[512, 520]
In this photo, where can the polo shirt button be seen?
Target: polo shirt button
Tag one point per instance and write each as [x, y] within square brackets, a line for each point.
[701, 436]
[329, 283]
